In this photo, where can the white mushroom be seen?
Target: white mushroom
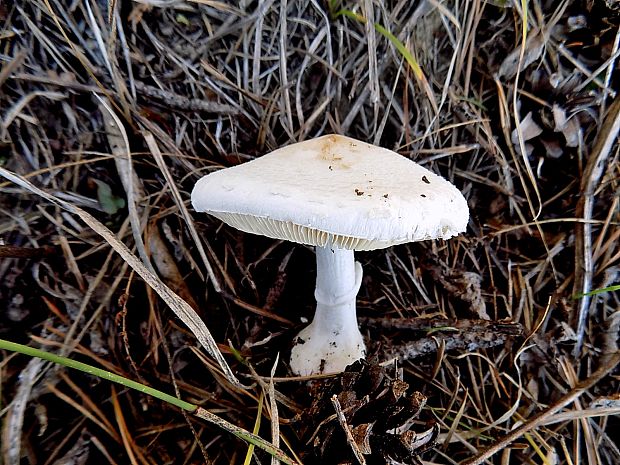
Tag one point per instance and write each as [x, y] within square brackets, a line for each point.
[340, 195]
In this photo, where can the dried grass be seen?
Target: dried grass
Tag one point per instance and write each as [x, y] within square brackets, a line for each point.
[517, 107]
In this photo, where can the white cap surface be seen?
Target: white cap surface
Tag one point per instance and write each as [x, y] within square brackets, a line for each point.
[336, 190]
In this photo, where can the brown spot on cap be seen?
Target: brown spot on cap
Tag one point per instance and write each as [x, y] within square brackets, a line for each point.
[425, 179]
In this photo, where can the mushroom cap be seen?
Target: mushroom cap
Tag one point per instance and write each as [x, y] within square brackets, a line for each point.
[334, 190]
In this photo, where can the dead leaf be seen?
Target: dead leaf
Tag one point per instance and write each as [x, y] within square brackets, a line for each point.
[78, 454]
[14, 417]
[534, 46]
[528, 128]
[553, 148]
[109, 202]
[166, 266]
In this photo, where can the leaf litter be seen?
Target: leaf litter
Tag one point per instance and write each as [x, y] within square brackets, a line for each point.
[498, 330]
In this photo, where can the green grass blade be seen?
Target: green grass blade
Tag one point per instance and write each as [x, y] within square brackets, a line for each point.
[103, 374]
[407, 55]
[259, 413]
[615, 287]
[108, 375]
[351, 15]
[402, 49]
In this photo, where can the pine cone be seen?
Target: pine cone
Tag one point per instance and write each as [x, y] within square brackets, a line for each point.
[379, 413]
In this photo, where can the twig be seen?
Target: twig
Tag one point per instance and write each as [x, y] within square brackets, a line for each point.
[11, 251]
[466, 340]
[183, 103]
[447, 324]
[60, 82]
[542, 417]
[451, 334]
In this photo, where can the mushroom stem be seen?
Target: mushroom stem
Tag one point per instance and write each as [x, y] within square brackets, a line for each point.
[333, 340]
